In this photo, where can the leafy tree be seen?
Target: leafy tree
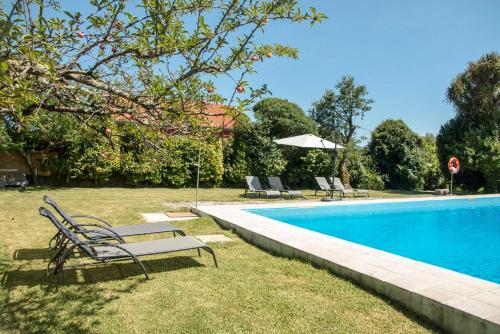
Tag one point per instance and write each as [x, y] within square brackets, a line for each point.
[473, 135]
[363, 171]
[87, 157]
[123, 155]
[152, 61]
[179, 170]
[252, 153]
[282, 118]
[431, 176]
[477, 148]
[336, 114]
[475, 92]
[310, 163]
[394, 148]
[41, 132]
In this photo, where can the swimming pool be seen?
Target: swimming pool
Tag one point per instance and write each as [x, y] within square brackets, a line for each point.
[459, 234]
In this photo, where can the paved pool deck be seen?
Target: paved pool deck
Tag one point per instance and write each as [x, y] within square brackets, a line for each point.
[453, 301]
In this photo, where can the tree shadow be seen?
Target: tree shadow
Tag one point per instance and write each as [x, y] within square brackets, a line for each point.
[29, 302]
[95, 274]
[32, 254]
[33, 309]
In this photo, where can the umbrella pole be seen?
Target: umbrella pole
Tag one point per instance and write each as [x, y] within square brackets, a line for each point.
[333, 170]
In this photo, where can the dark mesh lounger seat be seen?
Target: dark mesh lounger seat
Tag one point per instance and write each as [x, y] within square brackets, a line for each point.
[102, 229]
[104, 251]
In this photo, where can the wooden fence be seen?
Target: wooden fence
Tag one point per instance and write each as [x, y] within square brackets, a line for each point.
[13, 160]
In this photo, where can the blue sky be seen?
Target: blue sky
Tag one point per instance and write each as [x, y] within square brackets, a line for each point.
[405, 52]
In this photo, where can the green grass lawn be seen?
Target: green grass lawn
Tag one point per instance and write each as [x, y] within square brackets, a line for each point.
[252, 291]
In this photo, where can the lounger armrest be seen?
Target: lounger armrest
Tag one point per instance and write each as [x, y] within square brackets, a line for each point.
[93, 217]
[111, 234]
[92, 243]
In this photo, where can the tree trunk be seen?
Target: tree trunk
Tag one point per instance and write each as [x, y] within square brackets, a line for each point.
[345, 176]
[29, 162]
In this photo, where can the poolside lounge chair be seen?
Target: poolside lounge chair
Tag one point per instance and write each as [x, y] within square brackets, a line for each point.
[104, 251]
[254, 186]
[339, 186]
[102, 229]
[276, 184]
[323, 185]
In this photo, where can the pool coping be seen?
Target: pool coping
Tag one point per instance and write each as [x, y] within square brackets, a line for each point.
[455, 302]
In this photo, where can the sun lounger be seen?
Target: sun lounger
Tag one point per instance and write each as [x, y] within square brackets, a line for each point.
[275, 183]
[101, 229]
[101, 251]
[339, 186]
[323, 185]
[254, 186]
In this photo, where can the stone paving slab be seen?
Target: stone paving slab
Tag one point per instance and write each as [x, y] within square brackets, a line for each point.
[181, 214]
[455, 302]
[157, 217]
[213, 238]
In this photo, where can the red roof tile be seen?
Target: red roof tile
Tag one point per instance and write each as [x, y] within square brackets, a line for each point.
[218, 116]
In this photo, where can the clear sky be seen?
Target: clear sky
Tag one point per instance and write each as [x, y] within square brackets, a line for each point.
[405, 52]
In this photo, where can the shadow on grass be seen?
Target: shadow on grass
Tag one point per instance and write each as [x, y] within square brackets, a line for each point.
[67, 311]
[33, 309]
[29, 302]
[100, 273]
[32, 254]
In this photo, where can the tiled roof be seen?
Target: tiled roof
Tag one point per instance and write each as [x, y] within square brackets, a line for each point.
[218, 116]
[214, 116]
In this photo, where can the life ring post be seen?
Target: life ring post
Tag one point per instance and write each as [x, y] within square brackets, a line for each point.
[453, 167]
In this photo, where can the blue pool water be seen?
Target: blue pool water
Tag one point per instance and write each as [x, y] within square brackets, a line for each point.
[459, 234]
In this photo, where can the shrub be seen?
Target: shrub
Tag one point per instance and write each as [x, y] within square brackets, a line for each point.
[252, 152]
[394, 149]
[311, 163]
[362, 171]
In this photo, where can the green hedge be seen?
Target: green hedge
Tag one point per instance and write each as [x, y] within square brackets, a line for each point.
[130, 159]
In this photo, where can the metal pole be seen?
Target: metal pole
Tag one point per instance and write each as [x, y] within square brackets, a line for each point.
[333, 170]
[198, 173]
[451, 186]
[334, 156]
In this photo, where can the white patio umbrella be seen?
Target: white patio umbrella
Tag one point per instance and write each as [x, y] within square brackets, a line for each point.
[312, 141]
[308, 141]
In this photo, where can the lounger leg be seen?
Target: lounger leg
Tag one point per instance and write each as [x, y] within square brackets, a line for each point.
[181, 233]
[199, 253]
[136, 260]
[211, 251]
[174, 233]
[60, 265]
[55, 259]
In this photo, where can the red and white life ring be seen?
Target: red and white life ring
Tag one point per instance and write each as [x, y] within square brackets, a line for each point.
[453, 165]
